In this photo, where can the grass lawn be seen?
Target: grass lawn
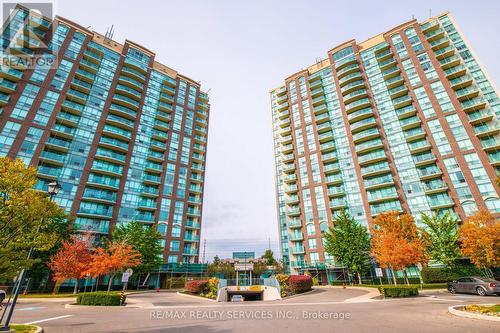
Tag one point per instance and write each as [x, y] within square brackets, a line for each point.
[23, 328]
[493, 310]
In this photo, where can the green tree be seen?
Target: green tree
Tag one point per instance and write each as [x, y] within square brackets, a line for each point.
[28, 220]
[269, 256]
[145, 240]
[441, 234]
[349, 243]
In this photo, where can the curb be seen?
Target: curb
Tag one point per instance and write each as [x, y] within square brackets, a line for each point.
[38, 329]
[298, 295]
[197, 297]
[456, 310]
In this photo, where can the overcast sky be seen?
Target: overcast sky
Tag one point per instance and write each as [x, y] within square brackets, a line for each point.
[239, 50]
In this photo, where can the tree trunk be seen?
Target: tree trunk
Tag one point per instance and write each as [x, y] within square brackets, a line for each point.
[111, 278]
[406, 277]
[359, 278]
[75, 290]
[393, 276]
[56, 287]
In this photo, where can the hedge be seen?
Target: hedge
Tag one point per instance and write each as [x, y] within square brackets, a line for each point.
[441, 275]
[196, 286]
[398, 291]
[300, 283]
[100, 298]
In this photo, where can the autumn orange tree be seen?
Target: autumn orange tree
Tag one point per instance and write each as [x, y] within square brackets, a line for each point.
[113, 260]
[479, 239]
[71, 261]
[396, 243]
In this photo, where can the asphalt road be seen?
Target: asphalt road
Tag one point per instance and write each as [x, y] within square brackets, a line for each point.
[324, 310]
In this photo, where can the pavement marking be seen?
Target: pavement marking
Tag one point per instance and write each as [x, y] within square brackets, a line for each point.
[48, 319]
[32, 308]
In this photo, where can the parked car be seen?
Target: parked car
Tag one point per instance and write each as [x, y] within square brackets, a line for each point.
[237, 298]
[475, 285]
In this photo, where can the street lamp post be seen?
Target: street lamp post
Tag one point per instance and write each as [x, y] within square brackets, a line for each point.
[53, 188]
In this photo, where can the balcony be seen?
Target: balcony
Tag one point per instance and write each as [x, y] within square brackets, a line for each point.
[295, 211]
[383, 55]
[435, 34]
[355, 95]
[7, 86]
[390, 73]
[379, 182]
[461, 82]
[398, 91]
[171, 91]
[131, 83]
[435, 186]
[63, 131]
[281, 91]
[327, 147]
[430, 26]
[55, 158]
[333, 180]
[382, 197]
[193, 212]
[318, 100]
[325, 137]
[84, 75]
[126, 101]
[486, 130]
[166, 107]
[294, 223]
[288, 168]
[292, 200]
[196, 189]
[414, 134]
[331, 168]
[290, 178]
[282, 99]
[350, 78]
[150, 191]
[110, 155]
[67, 119]
[419, 146]
[429, 172]
[424, 159]
[409, 123]
[482, 116]
[157, 145]
[347, 70]
[92, 57]
[134, 74]
[322, 118]
[445, 52]
[368, 146]
[329, 157]
[324, 127]
[122, 111]
[106, 213]
[151, 179]
[283, 106]
[357, 105]
[477, 103]
[394, 82]
[128, 92]
[402, 101]
[490, 144]
[366, 135]
[375, 156]
[286, 139]
[375, 169]
[321, 109]
[284, 131]
[353, 86]
[46, 171]
[386, 64]
[296, 236]
[406, 112]
[455, 72]
[297, 250]
[337, 204]
[467, 93]
[291, 189]
[117, 132]
[360, 115]
[363, 124]
[344, 62]
[120, 122]
[316, 84]
[450, 62]
[335, 191]
[191, 238]
[11, 74]
[57, 144]
[190, 252]
[287, 158]
[192, 225]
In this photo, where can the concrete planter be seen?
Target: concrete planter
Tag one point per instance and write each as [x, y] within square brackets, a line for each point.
[459, 310]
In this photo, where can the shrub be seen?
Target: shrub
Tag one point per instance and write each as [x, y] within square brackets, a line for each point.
[100, 298]
[283, 281]
[196, 286]
[300, 283]
[447, 274]
[398, 291]
[211, 289]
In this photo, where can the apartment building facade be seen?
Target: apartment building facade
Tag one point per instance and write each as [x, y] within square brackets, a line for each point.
[406, 121]
[124, 135]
